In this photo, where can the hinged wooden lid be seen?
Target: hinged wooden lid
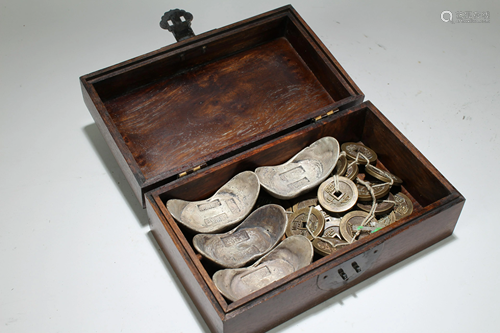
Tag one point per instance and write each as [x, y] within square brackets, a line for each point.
[213, 95]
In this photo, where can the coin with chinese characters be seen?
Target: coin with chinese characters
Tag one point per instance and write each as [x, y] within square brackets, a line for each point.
[383, 175]
[333, 231]
[351, 171]
[323, 246]
[387, 219]
[304, 201]
[384, 205]
[350, 224]
[352, 149]
[299, 221]
[337, 196]
[403, 206]
[341, 166]
[379, 189]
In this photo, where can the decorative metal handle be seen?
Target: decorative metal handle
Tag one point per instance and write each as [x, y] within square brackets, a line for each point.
[178, 22]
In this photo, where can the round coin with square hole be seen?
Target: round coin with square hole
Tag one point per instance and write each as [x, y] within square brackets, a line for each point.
[304, 201]
[323, 246]
[306, 218]
[341, 166]
[384, 205]
[352, 149]
[387, 219]
[380, 190]
[352, 171]
[383, 175]
[337, 197]
[403, 206]
[351, 222]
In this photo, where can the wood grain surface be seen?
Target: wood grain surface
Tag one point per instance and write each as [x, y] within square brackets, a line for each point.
[213, 95]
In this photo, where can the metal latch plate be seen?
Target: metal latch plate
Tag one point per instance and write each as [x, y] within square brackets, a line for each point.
[349, 270]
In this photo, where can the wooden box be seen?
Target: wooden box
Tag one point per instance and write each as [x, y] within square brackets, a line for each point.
[183, 120]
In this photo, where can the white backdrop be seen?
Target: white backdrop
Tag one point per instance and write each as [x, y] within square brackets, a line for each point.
[76, 254]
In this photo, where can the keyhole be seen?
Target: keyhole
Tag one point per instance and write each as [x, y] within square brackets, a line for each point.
[343, 275]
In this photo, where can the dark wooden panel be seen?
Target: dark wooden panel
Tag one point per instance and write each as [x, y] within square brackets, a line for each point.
[192, 118]
[190, 54]
[122, 156]
[420, 177]
[299, 22]
[211, 96]
[330, 78]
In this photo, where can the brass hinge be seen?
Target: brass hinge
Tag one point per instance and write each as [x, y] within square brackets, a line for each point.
[185, 173]
[329, 113]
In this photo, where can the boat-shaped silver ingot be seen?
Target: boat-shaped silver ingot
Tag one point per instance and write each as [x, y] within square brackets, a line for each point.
[306, 170]
[253, 238]
[289, 256]
[227, 207]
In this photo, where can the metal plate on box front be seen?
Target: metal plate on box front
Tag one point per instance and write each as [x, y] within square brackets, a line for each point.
[349, 270]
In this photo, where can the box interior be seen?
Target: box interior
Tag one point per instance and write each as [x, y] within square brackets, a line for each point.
[363, 124]
[212, 97]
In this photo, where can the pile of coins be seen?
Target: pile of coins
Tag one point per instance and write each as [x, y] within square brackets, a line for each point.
[357, 200]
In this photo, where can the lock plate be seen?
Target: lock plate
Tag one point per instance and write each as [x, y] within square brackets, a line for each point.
[349, 270]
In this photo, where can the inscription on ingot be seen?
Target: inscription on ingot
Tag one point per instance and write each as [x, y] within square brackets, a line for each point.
[209, 205]
[260, 273]
[231, 203]
[236, 238]
[299, 183]
[292, 174]
[215, 219]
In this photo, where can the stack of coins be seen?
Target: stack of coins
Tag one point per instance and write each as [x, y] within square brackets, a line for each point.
[341, 210]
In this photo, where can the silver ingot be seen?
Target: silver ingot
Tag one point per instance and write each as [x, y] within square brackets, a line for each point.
[226, 208]
[307, 169]
[254, 237]
[289, 256]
